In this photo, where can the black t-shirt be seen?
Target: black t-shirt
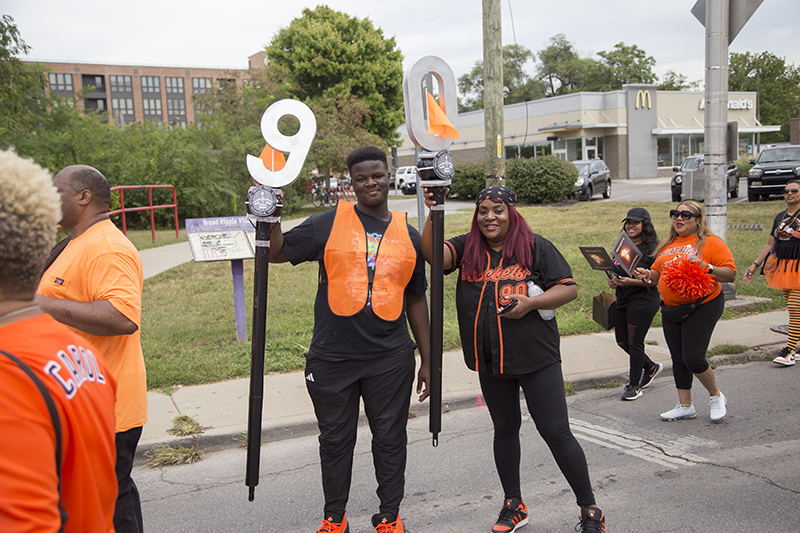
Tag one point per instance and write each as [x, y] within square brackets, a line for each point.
[786, 230]
[509, 346]
[363, 335]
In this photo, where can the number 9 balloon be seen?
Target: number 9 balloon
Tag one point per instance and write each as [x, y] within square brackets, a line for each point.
[297, 145]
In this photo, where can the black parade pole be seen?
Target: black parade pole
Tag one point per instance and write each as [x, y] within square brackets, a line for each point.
[435, 171]
[270, 172]
[263, 206]
[432, 128]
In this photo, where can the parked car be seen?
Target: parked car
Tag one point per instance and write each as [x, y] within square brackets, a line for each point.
[402, 175]
[593, 177]
[774, 167]
[410, 185]
[697, 163]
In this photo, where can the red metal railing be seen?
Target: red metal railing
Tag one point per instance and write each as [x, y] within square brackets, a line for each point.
[150, 207]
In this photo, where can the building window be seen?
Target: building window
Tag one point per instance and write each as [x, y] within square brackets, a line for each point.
[122, 106]
[90, 80]
[97, 104]
[151, 84]
[174, 85]
[151, 107]
[201, 85]
[176, 107]
[60, 82]
[121, 84]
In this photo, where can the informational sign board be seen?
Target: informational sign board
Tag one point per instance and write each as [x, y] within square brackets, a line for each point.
[221, 239]
[225, 239]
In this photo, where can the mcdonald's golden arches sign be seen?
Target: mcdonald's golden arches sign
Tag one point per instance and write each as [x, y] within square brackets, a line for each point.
[642, 97]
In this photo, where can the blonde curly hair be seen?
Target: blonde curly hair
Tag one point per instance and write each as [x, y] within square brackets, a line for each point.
[30, 208]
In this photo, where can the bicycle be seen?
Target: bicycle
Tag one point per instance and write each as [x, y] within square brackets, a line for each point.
[322, 196]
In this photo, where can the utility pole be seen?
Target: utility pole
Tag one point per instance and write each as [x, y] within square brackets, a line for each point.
[494, 149]
[716, 115]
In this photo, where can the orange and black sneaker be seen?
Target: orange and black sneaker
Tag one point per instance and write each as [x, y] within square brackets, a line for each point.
[387, 523]
[513, 516]
[330, 524]
[592, 521]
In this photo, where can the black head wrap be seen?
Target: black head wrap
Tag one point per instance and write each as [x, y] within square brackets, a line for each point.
[500, 192]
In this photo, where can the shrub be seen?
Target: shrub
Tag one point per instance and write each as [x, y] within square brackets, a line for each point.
[744, 166]
[470, 179]
[542, 180]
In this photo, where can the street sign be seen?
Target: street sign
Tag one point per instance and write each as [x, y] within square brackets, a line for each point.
[739, 12]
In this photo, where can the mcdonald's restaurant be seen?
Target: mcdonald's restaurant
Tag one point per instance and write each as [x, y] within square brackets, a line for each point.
[639, 131]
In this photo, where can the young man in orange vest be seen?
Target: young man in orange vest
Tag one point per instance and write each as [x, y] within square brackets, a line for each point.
[371, 276]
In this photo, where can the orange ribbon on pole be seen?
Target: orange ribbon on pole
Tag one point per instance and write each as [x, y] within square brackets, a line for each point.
[272, 159]
[438, 123]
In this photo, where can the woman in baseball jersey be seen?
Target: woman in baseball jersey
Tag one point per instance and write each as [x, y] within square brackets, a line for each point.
[509, 282]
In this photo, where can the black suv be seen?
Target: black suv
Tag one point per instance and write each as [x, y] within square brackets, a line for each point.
[696, 163]
[774, 167]
[593, 177]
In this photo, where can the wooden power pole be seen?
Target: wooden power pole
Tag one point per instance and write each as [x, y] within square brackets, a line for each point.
[494, 149]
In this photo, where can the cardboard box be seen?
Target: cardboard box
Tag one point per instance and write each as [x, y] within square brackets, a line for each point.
[604, 306]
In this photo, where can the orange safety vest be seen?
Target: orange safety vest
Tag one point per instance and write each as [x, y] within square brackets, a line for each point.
[348, 274]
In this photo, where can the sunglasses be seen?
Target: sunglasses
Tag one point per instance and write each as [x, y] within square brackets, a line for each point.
[792, 191]
[684, 215]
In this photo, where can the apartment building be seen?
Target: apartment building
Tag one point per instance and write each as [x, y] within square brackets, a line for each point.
[135, 93]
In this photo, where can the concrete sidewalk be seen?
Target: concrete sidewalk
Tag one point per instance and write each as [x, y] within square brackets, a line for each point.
[222, 408]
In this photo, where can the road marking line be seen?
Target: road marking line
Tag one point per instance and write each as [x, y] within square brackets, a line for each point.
[670, 455]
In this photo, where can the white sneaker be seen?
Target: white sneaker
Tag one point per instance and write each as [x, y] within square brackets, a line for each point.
[786, 358]
[679, 412]
[717, 407]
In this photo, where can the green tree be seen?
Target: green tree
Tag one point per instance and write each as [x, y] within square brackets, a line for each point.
[560, 67]
[330, 53]
[778, 86]
[518, 86]
[340, 128]
[673, 81]
[21, 85]
[622, 65]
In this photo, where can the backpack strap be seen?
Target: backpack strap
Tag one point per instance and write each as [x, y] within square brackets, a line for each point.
[56, 421]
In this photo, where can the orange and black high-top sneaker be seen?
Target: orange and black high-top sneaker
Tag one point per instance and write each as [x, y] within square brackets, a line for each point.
[334, 524]
[592, 521]
[387, 523]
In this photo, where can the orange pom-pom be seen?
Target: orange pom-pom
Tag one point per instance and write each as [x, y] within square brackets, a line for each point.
[688, 279]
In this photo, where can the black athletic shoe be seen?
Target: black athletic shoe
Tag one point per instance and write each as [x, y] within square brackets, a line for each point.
[631, 392]
[592, 521]
[649, 376]
[513, 516]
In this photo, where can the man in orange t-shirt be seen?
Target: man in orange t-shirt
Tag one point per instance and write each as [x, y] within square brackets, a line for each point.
[57, 450]
[94, 286]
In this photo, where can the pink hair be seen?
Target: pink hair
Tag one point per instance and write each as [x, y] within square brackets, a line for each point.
[518, 242]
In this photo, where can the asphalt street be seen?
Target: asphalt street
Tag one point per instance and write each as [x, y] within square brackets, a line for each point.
[648, 475]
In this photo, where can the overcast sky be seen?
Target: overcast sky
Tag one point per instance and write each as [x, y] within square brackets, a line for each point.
[203, 33]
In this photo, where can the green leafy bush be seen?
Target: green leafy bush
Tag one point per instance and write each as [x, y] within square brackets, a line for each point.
[470, 179]
[744, 166]
[542, 180]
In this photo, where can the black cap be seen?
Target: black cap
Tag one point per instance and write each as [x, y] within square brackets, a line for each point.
[636, 214]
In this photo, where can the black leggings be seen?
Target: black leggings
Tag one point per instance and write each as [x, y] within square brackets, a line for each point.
[544, 394]
[632, 321]
[688, 340]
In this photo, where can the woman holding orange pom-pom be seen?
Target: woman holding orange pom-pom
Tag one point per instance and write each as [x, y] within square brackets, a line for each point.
[689, 266]
[782, 268]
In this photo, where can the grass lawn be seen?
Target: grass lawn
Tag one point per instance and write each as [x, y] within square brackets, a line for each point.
[188, 325]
